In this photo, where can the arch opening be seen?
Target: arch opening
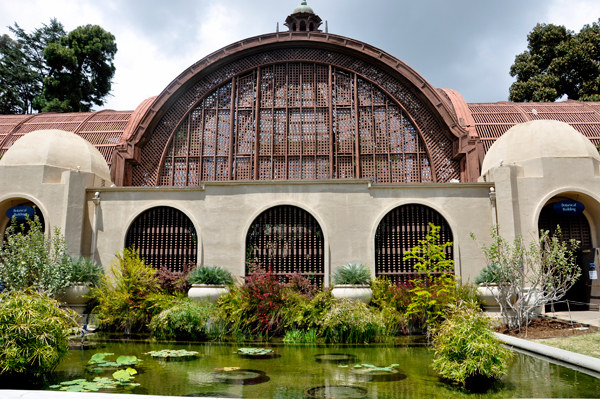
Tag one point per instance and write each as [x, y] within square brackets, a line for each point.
[575, 227]
[399, 231]
[164, 237]
[22, 225]
[289, 240]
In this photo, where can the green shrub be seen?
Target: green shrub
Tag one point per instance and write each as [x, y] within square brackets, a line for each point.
[436, 288]
[33, 333]
[84, 271]
[352, 322]
[465, 347]
[32, 260]
[392, 300]
[186, 321]
[304, 314]
[492, 273]
[214, 275]
[352, 273]
[122, 301]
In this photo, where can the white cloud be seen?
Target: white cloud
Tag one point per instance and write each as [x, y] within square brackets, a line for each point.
[573, 14]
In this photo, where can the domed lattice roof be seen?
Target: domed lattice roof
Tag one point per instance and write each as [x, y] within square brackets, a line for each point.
[59, 149]
[303, 8]
[538, 139]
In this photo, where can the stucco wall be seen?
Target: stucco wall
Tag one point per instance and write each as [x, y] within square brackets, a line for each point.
[348, 212]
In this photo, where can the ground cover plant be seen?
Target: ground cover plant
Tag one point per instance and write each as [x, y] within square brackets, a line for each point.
[34, 332]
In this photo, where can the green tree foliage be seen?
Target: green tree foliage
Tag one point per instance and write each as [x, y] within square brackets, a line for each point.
[81, 71]
[50, 70]
[558, 62]
[23, 67]
[33, 333]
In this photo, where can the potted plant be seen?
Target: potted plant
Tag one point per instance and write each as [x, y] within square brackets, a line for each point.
[209, 283]
[83, 273]
[488, 280]
[352, 281]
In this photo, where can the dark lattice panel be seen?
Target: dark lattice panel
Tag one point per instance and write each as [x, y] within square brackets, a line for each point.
[165, 237]
[103, 129]
[398, 232]
[286, 91]
[288, 240]
[492, 120]
[572, 227]
[284, 111]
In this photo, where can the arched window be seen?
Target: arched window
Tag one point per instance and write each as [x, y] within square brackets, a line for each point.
[164, 236]
[19, 207]
[302, 26]
[398, 232]
[288, 240]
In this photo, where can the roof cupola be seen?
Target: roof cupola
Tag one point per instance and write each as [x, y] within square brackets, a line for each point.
[303, 19]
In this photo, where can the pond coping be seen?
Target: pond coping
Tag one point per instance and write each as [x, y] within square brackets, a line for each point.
[575, 359]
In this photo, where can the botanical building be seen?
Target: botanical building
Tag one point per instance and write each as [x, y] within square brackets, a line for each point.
[304, 150]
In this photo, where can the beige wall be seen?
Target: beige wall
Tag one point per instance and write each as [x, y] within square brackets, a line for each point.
[524, 188]
[348, 212]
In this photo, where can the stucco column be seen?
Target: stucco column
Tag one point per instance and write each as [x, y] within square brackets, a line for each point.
[507, 201]
[73, 212]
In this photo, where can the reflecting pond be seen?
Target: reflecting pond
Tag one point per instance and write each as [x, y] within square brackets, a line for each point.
[297, 371]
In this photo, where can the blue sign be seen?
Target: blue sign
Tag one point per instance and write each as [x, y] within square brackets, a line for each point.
[21, 212]
[569, 207]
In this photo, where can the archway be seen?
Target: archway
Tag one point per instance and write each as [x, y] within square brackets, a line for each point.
[575, 227]
[18, 206]
[165, 237]
[398, 232]
[288, 240]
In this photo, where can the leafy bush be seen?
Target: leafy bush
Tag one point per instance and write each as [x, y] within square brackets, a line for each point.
[122, 301]
[465, 347]
[304, 314]
[435, 290]
[174, 282]
[84, 271]
[546, 268]
[215, 275]
[188, 320]
[354, 322]
[392, 300]
[32, 260]
[33, 333]
[352, 273]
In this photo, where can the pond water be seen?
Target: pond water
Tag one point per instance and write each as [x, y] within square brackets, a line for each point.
[314, 371]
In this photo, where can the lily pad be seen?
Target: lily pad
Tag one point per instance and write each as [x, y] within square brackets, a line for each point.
[257, 353]
[127, 360]
[99, 357]
[172, 354]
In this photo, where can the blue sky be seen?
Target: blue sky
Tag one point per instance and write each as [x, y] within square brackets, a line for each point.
[465, 45]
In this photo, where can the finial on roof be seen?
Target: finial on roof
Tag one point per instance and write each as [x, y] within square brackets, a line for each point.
[303, 19]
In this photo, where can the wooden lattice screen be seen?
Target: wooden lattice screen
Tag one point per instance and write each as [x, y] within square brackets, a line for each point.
[297, 113]
[289, 240]
[399, 231]
[572, 227]
[165, 237]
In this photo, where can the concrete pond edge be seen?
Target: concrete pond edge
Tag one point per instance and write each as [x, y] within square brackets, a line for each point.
[588, 364]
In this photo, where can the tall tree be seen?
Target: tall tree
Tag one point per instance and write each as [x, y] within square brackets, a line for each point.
[558, 62]
[23, 67]
[81, 70]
